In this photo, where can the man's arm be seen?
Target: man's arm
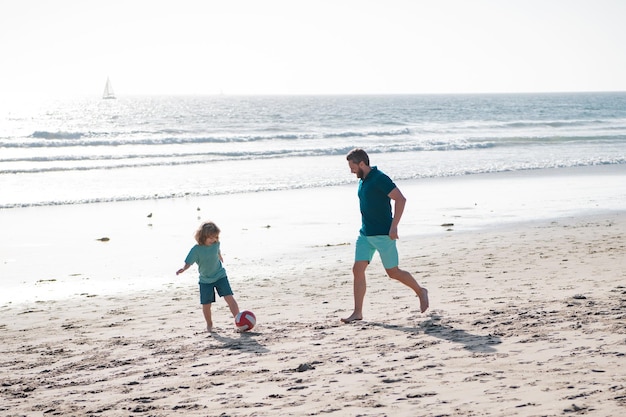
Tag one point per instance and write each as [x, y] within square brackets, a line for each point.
[398, 209]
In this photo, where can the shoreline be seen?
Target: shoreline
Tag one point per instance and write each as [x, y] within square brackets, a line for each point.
[55, 252]
[586, 170]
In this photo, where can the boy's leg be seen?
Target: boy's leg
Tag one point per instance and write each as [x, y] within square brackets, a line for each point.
[232, 304]
[223, 290]
[207, 297]
[206, 310]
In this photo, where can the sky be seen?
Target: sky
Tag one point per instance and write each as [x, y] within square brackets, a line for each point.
[154, 47]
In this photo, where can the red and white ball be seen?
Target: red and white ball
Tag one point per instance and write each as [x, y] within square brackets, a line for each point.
[245, 321]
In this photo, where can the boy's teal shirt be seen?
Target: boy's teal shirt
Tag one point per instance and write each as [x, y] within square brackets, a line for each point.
[375, 203]
[208, 260]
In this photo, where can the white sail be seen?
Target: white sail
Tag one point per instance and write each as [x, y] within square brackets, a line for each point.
[108, 90]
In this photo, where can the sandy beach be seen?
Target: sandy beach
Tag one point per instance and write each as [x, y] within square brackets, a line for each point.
[527, 318]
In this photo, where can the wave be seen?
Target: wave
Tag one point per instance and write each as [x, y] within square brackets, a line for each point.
[384, 133]
[56, 135]
[557, 124]
[59, 163]
[164, 137]
[421, 139]
[294, 129]
[256, 188]
[93, 161]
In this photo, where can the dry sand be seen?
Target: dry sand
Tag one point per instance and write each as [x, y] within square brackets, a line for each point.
[524, 321]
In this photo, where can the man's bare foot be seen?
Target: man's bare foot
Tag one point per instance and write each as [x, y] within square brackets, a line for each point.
[423, 296]
[353, 317]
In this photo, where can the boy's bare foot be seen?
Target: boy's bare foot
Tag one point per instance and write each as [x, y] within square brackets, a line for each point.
[423, 296]
[353, 317]
[209, 329]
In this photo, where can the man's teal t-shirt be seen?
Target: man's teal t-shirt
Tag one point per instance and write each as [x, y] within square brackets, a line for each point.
[208, 260]
[375, 203]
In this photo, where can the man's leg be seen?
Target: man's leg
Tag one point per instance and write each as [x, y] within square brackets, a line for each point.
[360, 286]
[407, 279]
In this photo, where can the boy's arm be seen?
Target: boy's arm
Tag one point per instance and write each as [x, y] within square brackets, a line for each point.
[183, 269]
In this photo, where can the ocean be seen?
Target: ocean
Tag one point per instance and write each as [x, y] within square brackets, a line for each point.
[140, 148]
[143, 172]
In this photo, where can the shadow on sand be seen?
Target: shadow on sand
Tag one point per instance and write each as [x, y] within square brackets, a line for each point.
[434, 327]
[244, 342]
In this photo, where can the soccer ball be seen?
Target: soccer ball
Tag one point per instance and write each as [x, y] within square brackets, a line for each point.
[245, 321]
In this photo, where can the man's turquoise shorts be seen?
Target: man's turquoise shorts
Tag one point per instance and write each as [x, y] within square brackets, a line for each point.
[366, 246]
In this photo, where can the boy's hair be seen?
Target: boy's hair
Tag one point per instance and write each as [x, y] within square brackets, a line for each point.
[207, 229]
[358, 155]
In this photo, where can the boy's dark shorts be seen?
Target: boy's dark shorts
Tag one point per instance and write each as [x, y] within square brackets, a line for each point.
[207, 291]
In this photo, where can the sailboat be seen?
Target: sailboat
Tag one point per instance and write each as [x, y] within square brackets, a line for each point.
[108, 90]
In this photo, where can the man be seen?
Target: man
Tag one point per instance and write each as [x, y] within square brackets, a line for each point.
[379, 230]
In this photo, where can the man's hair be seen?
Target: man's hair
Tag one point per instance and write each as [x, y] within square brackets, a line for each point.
[358, 155]
[208, 229]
